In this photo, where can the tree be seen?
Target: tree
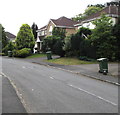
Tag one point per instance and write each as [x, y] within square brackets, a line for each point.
[58, 48]
[103, 39]
[97, 5]
[116, 33]
[49, 42]
[67, 44]
[25, 38]
[4, 38]
[79, 17]
[9, 47]
[59, 32]
[34, 28]
[91, 10]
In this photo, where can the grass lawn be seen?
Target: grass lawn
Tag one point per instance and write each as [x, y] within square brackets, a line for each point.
[69, 61]
[37, 55]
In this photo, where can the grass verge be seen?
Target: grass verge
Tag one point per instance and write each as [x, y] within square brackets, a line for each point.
[36, 56]
[69, 61]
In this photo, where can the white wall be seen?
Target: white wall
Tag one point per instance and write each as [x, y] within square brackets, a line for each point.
[89, 25]
[114, 21]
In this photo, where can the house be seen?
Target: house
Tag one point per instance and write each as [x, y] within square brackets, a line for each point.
[41, 34]
[10, 36]
[62, 22]
[112, 10]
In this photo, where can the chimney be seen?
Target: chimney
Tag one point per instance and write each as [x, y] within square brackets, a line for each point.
[113, 7]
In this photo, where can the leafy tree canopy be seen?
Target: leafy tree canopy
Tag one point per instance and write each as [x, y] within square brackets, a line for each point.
[91, 9]
[103, 39]
[97, 5]
[3, 37]
[25, 38]
[59, 32]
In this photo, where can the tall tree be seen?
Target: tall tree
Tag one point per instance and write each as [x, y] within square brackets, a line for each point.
[34, 28]
[25, 38]
[59, 32]
[116, 33]
[103, 39]
[91, 9]
[3, 36]
[97, 5]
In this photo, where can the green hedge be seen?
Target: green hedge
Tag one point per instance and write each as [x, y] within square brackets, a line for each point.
[22, 53]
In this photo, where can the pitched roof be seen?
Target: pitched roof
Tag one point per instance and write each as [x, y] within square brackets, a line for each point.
[44, 27]
[10, 35]
[111, 10]
[64, 22]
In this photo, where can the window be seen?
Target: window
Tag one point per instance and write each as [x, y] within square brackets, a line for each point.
[51, 28]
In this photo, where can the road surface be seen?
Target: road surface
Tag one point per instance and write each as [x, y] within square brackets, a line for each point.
[44, 89]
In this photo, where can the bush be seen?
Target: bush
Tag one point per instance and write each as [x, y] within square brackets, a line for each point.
[73, 53]
[85, 58]
[67, 44]
[49, 42]
[22, 53]
[9, 47]
[2, 54]
[58, 48]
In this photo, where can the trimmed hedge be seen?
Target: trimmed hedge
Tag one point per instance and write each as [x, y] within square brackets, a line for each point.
[22, 53]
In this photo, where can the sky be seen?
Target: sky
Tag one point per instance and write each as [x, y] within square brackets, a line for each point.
[14, 13]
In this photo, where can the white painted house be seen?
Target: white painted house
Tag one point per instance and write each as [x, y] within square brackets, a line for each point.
[112, 10]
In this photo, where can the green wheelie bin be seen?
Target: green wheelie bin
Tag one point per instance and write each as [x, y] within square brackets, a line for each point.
[103, 65]
[9, 53]
[49, 55]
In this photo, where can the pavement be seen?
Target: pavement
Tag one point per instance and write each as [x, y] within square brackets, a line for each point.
[10, 101]
[89, 70]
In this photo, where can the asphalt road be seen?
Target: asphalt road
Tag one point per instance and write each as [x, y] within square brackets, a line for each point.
[45, 89]
[10, 101]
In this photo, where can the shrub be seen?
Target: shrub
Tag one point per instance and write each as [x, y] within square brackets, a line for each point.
[2, 54]
[22, 53]
[58, 48]
[9, 47]
[49, 42]
[25, 38]
[67, 44]
[72, 53]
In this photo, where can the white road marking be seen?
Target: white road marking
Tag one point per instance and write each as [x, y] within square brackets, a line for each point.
[99, 97]
[23, 67]
[51, 78]
[18, 94]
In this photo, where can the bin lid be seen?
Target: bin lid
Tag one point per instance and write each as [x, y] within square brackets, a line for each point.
[100, 59]
[48, 52]
[9, 51]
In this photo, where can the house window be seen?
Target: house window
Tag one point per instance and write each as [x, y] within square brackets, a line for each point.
[45, 32]
[51, 28]
[39, 33]
[42, 32]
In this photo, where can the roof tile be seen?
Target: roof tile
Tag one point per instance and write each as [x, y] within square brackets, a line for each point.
[63, 21]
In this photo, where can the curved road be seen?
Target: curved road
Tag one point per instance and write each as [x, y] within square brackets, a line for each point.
[45, 89]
